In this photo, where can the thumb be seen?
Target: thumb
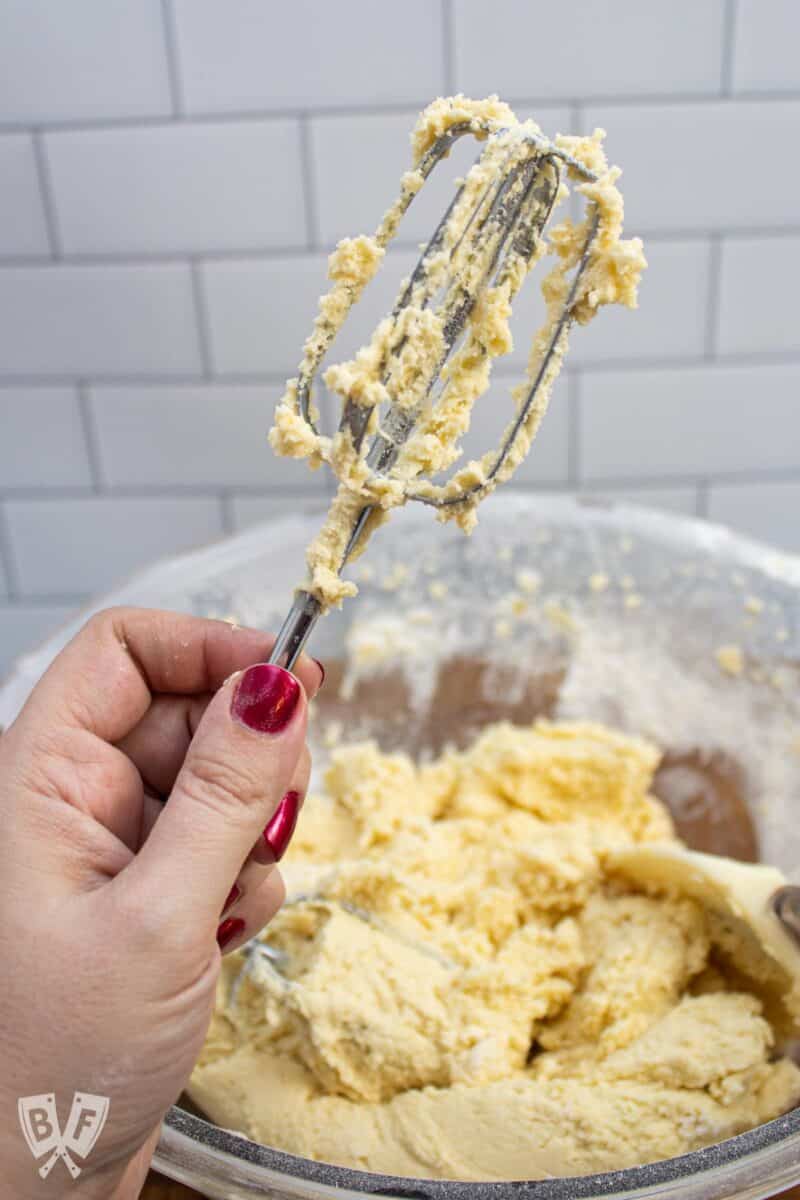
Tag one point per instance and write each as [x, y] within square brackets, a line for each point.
[238, 767]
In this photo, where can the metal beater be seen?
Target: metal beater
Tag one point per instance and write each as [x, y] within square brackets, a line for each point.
[499, 234]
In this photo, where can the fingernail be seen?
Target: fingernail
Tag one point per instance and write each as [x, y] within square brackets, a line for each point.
[322, 671]
[233, 896]
[273, 843]
[265, 698]
[228, 930]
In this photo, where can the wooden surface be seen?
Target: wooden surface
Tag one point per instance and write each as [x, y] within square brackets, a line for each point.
[159, 1188]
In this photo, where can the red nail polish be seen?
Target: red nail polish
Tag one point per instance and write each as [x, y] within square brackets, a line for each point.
[322, 671]
[280, 827]
[228, 930]
[265, 698]
[233, 896]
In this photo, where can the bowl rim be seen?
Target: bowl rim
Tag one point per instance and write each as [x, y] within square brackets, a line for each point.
[203, 1153]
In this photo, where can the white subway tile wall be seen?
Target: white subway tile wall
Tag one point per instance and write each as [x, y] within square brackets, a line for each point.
[91, 320]
[176, 189]
[758, 309]
[704, 166]
[92, 60]
[43, 443]
[611, 48]
[259, 312]
[246, 55]
[23, 229]
[67, 550]
[174, 173]
[248, 510]
[765, 41]
[679, 421]
[188, 436]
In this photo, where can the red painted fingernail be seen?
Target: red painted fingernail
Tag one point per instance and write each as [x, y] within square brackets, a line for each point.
[228, 930]
[281, 825]
[265, 698]
[233, 896]
[322, 671]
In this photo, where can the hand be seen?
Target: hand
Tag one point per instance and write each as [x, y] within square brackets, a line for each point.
[136, 785]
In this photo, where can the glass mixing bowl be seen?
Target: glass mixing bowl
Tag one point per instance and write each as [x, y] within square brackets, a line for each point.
[664, 626]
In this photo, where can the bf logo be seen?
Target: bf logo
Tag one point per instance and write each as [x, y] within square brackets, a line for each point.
[37, 1116]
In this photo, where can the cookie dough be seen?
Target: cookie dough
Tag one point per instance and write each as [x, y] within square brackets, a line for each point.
[405, 352]
[505, 966]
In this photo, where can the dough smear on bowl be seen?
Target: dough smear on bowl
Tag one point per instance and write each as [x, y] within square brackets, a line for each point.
[509, 968]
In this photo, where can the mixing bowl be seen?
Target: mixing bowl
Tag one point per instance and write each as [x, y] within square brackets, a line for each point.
[663, 626]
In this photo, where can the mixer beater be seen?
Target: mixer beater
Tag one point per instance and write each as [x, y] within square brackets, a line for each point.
[407, 396]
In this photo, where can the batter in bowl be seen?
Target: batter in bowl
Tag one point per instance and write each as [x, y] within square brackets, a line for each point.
[511, 968]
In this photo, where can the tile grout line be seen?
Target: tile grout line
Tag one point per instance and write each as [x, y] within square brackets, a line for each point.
[743, 477]
[267, 254]
[160, 491]
[574, 206]
[90, 437]
[729, 20]
[448, 47]
[47, 600]
[722, 480]
[226, 512]
[202, 322]
[641, 486]
[701, 498]
[47, 194]
[268, 378]
[170, 31]
[310, 204]
[7, 559]
[289, 112]
[712, 308]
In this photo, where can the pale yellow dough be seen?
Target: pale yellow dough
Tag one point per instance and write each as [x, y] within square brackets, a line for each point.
[412, 345]
[548, 983]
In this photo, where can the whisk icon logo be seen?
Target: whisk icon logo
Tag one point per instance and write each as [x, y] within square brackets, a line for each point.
[39, 1121]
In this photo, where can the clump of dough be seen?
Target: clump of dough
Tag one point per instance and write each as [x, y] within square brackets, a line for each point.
[445, 112]
[730, 659]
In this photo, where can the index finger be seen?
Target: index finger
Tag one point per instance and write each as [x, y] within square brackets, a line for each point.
[104, 679]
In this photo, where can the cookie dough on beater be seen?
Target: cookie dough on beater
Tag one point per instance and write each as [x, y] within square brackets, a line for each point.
[420, 344]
